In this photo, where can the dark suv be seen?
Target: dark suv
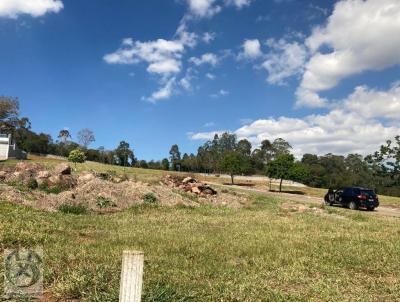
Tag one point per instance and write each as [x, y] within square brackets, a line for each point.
[353, 198]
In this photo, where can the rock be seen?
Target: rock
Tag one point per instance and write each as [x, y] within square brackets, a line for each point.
[43, 174]
[22, 166]
[62, 181]
[3, 175]
[189, 184]
[196, 190]
[27, 167]
[188, 180]
[62, 169]
[117, 180]
[86, 177]
[16, 176]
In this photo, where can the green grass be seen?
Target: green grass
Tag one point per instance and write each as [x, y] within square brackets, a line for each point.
[262, 253]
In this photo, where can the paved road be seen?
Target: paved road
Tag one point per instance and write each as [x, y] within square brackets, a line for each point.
[381, 210]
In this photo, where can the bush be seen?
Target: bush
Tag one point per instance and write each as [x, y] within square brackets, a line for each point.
[109, 175]
[50, 190]
[78, 209]
[149, 198]
[32, 184]
[103, 202]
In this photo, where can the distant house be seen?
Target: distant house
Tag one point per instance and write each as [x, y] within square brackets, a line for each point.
[8, 149]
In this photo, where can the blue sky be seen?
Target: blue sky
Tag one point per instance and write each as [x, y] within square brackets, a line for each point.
[322, 74]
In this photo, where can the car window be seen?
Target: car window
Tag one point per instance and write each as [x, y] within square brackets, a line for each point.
[347, 191]
[369, 193]
[357, 191]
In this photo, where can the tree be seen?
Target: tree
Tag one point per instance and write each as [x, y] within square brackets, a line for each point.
[165, 164]
[244, 147]
[77, 156]
[267, 151]
[64, 135]
[175, 157]
[9, 108]
[234, 163]
[280, 147]
[86, 137]
[124, 153]
[285, 167]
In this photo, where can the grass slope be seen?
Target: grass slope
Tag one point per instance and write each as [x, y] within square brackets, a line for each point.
[261, 253]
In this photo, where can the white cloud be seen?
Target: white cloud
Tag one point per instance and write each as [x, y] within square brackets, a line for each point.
[360, 35]
[165, 67]
[220, 93]
[209, 124]
[207, 58]
[244, 121]
[238, 3]
[284, 60]
[153, 52]
[35, 8]
[251, 49]
[203, 8]
[210, 76]
[164, 92]
[372, 103]
[208, 37]
[205, 135]
[356, 124]
[163, 58]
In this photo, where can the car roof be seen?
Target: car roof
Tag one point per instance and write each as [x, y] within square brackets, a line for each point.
[359, 188]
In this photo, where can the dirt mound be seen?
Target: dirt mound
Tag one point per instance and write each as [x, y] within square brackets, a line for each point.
[103, 194]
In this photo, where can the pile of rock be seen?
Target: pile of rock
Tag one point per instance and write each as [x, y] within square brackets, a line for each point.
[34, 175]
[189, 184]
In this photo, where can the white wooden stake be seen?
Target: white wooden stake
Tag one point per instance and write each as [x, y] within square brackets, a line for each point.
[131, 276]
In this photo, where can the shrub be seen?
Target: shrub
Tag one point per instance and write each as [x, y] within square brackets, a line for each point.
[103, 202]
[50, 190]
[78, 209]
[149, 198]
[32, 184]
[109, 175]
[77, 156]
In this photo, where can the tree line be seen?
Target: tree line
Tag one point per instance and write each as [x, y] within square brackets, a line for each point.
[223, 154]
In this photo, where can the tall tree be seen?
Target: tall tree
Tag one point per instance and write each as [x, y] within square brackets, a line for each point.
[244, 147]
[124, 154]
[175, 157]
[280, 147]
[64, 135]
[86, 137]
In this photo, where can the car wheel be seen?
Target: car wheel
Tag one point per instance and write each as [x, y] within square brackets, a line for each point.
[353, 205]
[371, 209]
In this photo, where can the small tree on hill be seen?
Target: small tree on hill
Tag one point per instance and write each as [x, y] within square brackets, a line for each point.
[234, 163]
[77, 156]
[285, 167]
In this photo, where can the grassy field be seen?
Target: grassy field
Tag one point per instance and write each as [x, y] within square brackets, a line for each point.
[266, 252]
